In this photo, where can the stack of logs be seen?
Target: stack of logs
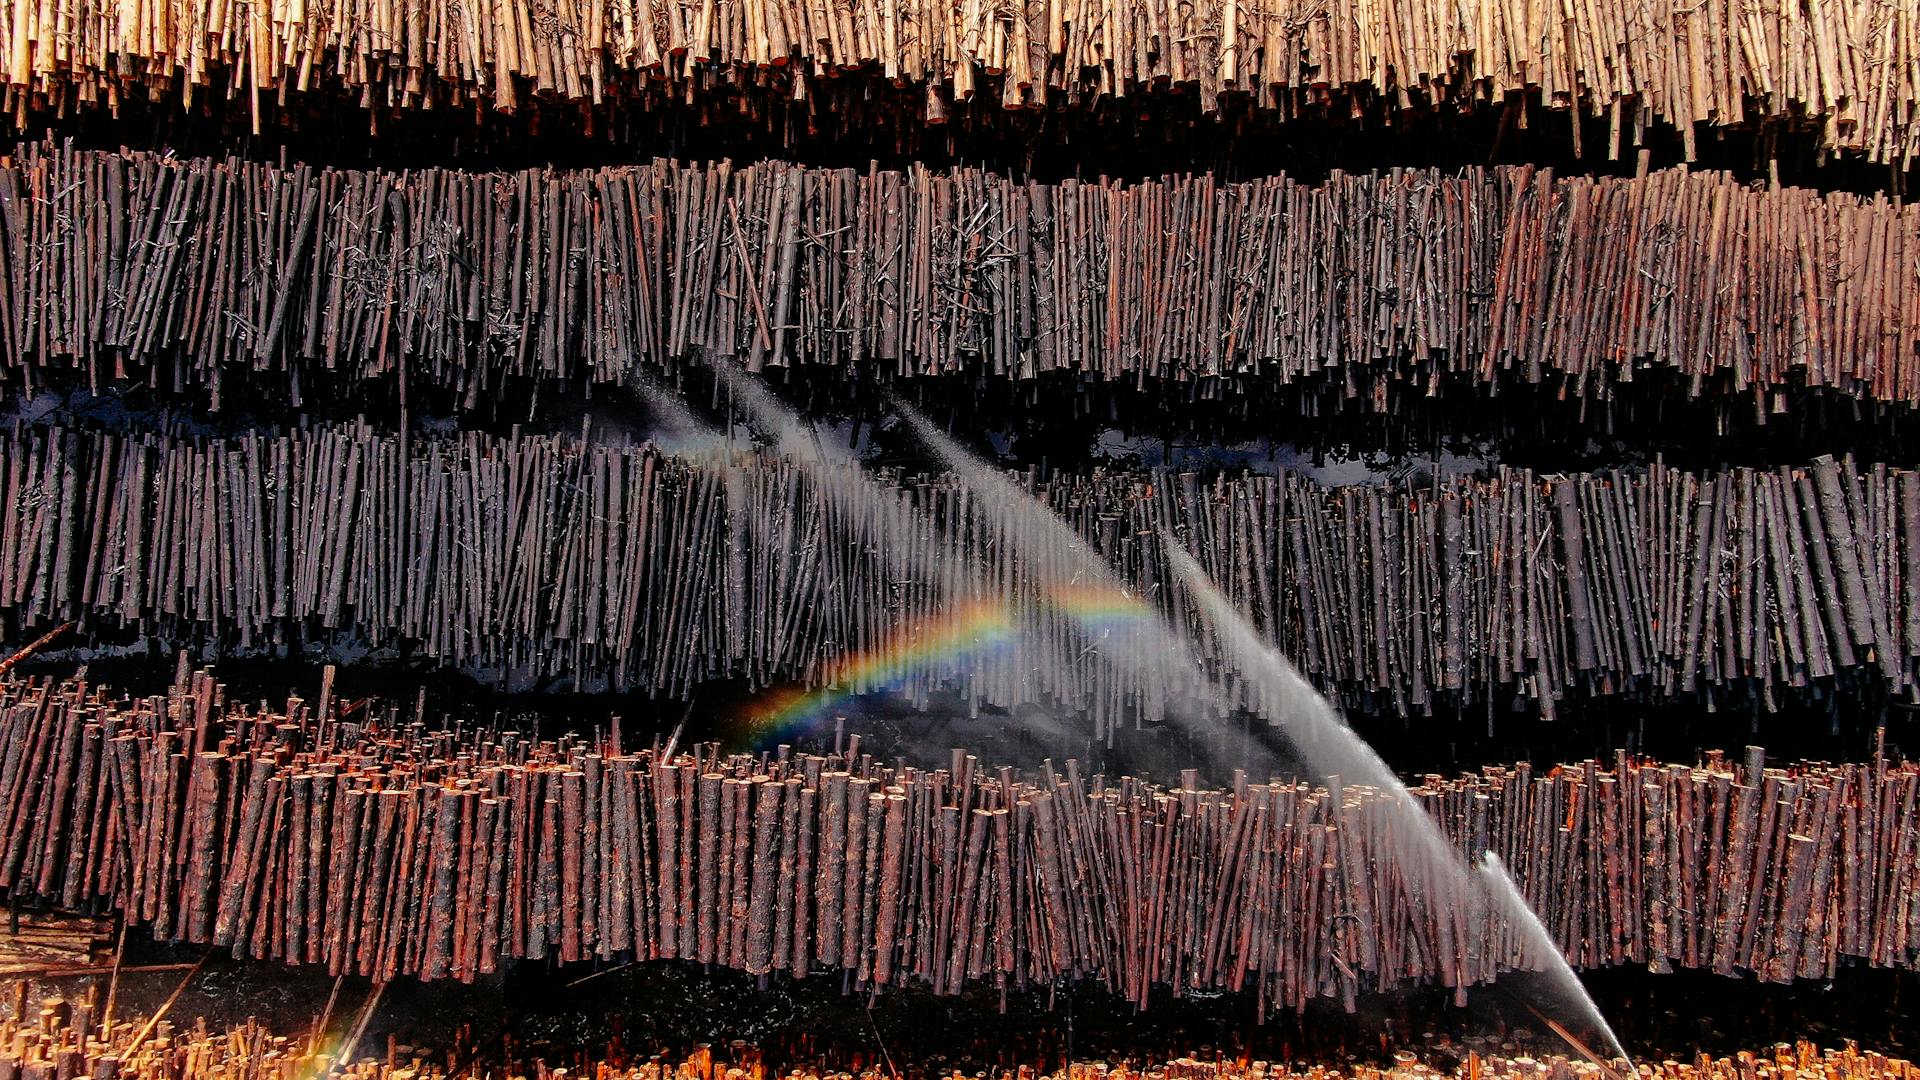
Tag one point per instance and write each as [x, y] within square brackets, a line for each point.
[624, 567]
[386, 849]
[192, 274]
[45, 944]
[1850, 65]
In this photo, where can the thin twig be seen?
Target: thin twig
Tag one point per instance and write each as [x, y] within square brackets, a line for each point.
[154, 1020]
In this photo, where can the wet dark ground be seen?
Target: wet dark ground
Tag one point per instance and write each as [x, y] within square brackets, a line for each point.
[579, 1013]
[851, 118]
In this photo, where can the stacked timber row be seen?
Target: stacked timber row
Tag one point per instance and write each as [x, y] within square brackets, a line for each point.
[1851, 65]
[387, 849]
[626, 567]
[191, 275]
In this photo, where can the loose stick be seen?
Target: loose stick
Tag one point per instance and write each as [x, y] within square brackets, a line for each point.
[158, 1014]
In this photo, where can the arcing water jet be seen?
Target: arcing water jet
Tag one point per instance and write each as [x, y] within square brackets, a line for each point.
[1308, 719]
[1314, 725]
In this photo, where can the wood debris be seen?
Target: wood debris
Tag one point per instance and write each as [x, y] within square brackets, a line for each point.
[69, 1037]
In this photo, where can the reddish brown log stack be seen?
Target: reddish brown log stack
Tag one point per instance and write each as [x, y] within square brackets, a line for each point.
[631, 568]
[289, 836]
[206, 277]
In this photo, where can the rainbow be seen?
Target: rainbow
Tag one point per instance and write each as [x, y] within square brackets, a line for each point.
[972, 629]
[1098, 606]
[969, 630]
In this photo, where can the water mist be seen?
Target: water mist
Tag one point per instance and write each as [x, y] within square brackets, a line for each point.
[1314, 725]
[928, 560]
[1308, 719]
[1126, 634]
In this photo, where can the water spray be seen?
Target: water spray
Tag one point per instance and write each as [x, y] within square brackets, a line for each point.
[1336, 748]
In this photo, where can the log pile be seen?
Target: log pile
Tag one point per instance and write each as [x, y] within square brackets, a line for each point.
[1849, 65]
[193, 275]
[43, 944]
[383, 848]
[627, 567]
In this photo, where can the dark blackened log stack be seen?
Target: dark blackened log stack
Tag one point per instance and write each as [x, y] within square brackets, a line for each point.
[385, 849]
[626, 567]
[210, 277]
